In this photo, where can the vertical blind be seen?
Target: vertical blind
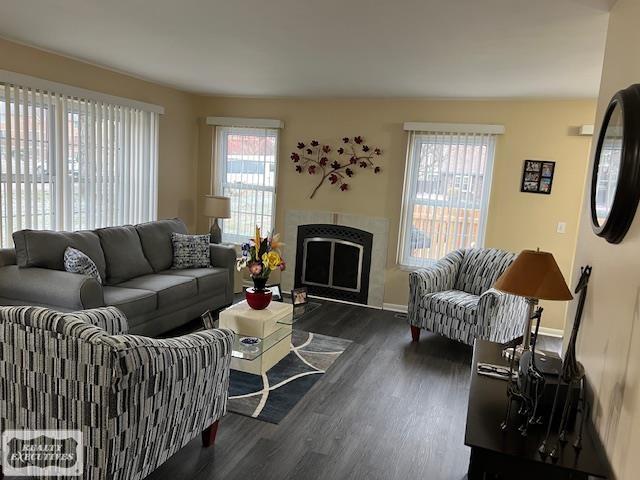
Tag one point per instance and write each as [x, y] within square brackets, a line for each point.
[446, 193]
[246, 170]
[72, 163]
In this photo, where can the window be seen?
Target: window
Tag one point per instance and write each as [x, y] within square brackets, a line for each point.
[246, 172]
[446, 192]
[73, 163]
[608, 173]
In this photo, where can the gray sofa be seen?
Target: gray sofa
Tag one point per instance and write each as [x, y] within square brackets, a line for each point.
[135, 265]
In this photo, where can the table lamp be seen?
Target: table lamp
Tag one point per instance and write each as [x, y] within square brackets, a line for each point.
[216, 207]
[534, 275]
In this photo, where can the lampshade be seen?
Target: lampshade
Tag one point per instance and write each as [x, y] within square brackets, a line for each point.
[217, 207]
[534, 274]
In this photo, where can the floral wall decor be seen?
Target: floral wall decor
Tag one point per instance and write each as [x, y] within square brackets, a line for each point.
[337, 167]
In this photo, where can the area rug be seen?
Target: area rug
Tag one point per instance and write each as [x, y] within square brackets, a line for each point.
[270, 397]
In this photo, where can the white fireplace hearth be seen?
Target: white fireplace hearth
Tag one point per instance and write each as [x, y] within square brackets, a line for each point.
[378, 227]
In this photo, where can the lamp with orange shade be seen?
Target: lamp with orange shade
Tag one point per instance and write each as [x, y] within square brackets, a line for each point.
[536, 276]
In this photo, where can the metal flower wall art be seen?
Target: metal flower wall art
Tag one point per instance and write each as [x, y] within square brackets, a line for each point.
[338, 166]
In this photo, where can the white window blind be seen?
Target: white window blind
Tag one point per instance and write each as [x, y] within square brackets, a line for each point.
[446, 192]
[246, 170]
[72, 163]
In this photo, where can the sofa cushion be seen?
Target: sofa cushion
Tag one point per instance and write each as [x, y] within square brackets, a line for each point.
[480, 269]
[169, 288]
[45, 248]
[131, 301]
[454, 304]
[210, 280]
[123, 254]
[156, 241]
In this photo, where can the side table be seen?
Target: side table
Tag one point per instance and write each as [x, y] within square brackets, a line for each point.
[507, 454]
[271, 325]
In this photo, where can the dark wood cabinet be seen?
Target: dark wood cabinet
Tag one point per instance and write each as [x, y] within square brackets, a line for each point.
[505, 455]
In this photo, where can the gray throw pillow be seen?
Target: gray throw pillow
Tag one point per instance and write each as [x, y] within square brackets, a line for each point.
[190, 251]
[77, 262]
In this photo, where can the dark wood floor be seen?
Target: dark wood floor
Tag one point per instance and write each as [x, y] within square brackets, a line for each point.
[387, 409]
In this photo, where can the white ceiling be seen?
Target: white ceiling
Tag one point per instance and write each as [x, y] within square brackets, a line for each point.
[390, 48]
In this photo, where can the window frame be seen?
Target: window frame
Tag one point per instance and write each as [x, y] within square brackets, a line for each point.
[221, 134]
[64, 113]
[414, 142]
[49, 178]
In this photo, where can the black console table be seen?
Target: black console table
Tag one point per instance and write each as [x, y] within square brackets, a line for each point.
[505, 455]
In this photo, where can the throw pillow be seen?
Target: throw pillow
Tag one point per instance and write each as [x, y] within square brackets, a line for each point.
[190, 251]
[77, 262]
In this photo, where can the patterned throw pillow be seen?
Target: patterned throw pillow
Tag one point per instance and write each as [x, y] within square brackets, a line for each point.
[77, 262]
[190, 251]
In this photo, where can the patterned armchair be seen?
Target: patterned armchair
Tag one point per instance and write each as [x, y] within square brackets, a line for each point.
[137, 400]
[454, 298]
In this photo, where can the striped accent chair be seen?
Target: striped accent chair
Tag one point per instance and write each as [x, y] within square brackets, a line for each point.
[454, 298]
[137, 400]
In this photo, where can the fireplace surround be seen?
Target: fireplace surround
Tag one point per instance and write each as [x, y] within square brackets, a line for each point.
[377, 226]
[334, 261]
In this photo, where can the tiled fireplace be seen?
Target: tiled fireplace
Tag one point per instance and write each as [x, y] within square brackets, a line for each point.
[337, 256]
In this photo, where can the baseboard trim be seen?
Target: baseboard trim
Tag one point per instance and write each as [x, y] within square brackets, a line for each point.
[394, 307]
[551, 332]
[335, 300]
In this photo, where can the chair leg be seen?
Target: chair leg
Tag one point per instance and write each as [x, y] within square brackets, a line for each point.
[209, 434]
[415, 333]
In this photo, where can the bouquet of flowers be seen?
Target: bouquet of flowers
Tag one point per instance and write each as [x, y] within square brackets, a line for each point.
[261, 256]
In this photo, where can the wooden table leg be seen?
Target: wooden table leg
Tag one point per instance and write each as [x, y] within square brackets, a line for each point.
[209, 435]
[415, 333]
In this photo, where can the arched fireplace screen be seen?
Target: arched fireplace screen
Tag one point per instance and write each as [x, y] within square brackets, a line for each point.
[334, 261]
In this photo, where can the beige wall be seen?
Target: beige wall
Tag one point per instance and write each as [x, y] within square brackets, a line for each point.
[534, 130]
[178, 133]
[609, 342]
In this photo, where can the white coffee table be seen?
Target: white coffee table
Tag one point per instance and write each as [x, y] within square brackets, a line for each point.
[271, 325]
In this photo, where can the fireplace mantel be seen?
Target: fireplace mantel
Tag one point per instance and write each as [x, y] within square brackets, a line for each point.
[378, 227]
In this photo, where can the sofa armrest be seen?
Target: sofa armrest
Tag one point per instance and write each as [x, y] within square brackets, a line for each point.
[224, 256]
[141, 358]
[7, 257]
[183, 382]
[501, 316]
[110, 319]
[436, 278]
[53, 288]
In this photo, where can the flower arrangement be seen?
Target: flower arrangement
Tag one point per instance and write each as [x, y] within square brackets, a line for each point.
[261, 256]
[313, 158]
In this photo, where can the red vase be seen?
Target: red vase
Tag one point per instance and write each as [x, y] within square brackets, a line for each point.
[258, 299]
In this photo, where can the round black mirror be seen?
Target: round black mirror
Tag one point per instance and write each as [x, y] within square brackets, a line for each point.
[615, 181]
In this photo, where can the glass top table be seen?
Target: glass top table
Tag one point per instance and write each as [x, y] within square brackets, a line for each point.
[248, 351]
[251, 352]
